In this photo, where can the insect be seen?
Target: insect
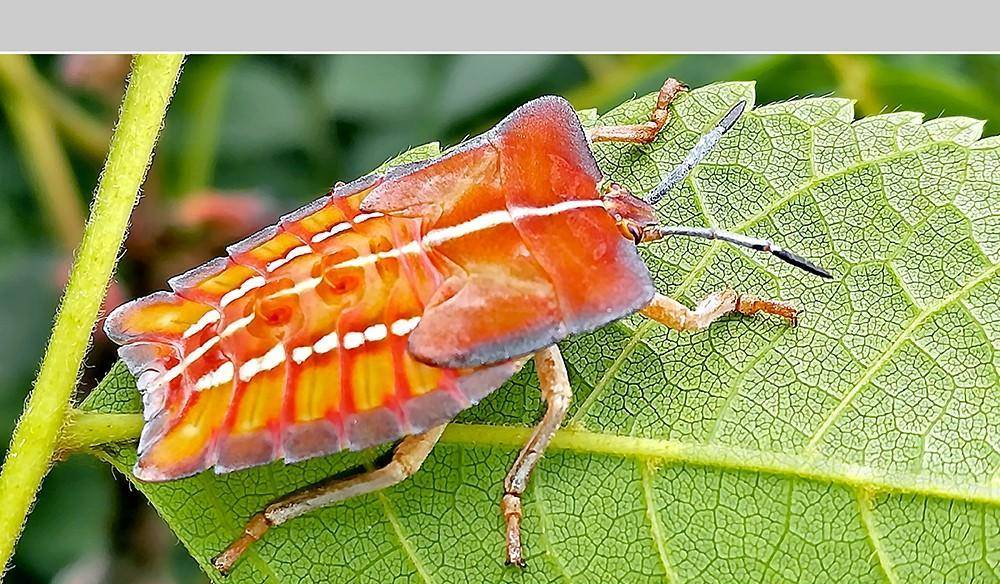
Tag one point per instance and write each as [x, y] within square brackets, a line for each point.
[383, 309]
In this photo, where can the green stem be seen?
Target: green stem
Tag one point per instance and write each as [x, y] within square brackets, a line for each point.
[34, 440]
[46, 161]
[207, 87]
[85, 429]
[89, 135]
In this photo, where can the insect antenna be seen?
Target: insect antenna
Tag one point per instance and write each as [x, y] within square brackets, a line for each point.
[753, 243]
[680, 172]
[697, 154]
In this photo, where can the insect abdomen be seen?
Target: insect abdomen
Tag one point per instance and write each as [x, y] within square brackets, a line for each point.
[293, 347]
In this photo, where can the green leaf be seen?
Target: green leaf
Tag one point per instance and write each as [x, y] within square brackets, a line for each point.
[856, 447]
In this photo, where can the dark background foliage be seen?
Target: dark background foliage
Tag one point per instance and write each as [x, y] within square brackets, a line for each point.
[249, 138]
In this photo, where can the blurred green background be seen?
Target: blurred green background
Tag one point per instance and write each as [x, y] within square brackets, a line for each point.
[249, 138]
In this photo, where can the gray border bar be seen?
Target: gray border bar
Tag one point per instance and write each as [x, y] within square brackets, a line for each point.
[506, 25]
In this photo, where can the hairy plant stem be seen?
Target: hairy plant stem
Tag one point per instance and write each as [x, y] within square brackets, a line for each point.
[35, 437]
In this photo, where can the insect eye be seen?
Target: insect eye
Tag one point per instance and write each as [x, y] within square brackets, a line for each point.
[623, 229]
[630, 231]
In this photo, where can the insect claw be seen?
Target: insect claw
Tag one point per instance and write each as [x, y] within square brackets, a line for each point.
[749, 305]
[255, 528]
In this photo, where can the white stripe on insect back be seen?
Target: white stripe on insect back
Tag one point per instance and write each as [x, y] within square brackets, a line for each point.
[352, 340]
[355, 339]
[239, 292]
[266, 362]
[327, 343]
[291, 255]
[403, 326]
[305, 249]
[188, 359]
[199, 351]
[366, 216]
[442, 235]
[503, 217]
[330, 232]
[224, 374]
[206, 319]
[359, 262]
[376, 332]
[343, 226]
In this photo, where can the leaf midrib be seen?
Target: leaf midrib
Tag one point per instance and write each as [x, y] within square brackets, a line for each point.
[727, 457]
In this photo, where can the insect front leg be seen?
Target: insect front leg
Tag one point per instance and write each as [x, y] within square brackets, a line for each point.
[641, 133]
[407, 458]
[557, 393]
[669, 312]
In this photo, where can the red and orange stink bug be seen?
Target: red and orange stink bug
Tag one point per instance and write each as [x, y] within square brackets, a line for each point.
[385, 308]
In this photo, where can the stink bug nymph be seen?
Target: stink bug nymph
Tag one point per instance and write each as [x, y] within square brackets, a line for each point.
[388, 306]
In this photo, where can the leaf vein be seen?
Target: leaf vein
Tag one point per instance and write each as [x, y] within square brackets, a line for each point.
[886, 355]
[867, 514]
[544, 523]
[737, 385]
[404, 541]
[609, 374]
[819, 179]
[655, 526]
[253, 553]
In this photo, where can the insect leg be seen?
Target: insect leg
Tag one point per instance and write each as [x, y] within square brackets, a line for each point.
[557, 393]
[406, 460]
[641, 133]
[675, 315]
